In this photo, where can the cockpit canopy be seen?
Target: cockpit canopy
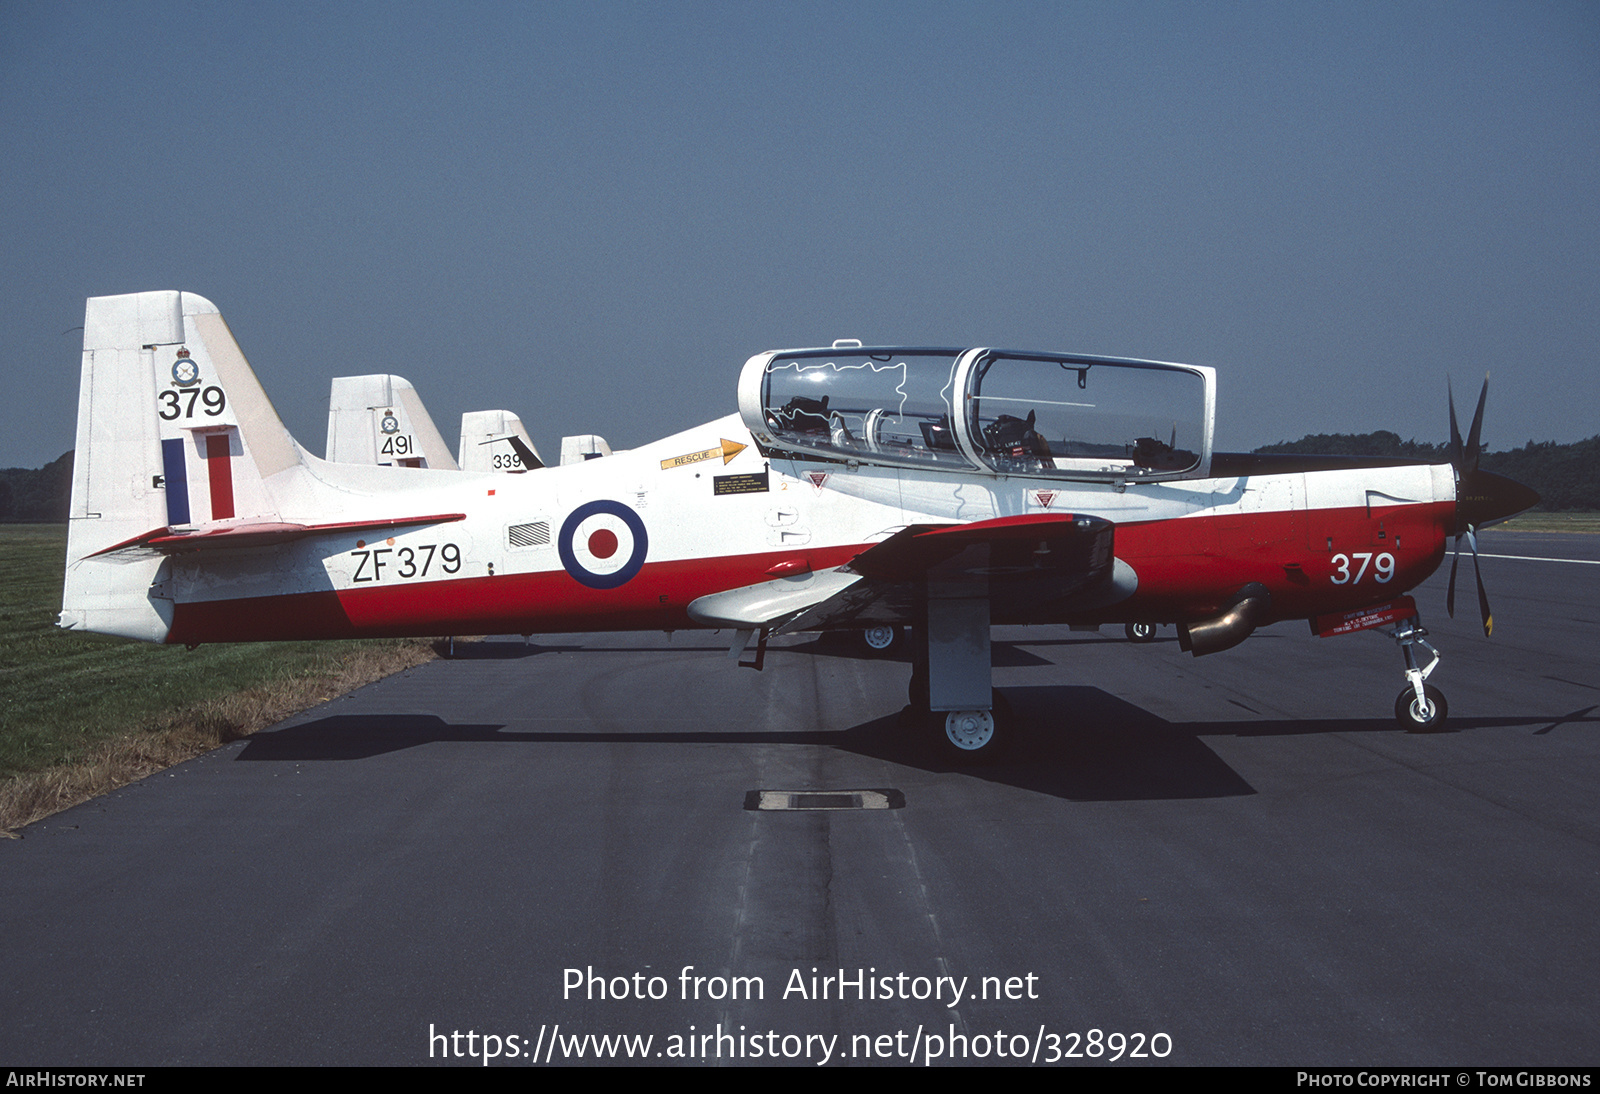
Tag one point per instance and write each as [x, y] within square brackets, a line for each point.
[1003, 412]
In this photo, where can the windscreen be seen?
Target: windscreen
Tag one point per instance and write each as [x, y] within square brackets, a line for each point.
[1054, 416]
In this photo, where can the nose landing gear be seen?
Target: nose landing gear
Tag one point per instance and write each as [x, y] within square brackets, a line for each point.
[1420, 707]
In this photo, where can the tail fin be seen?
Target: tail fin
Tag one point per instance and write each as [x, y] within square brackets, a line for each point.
[495, 440]
[585, 446]
[174, 431]
[380, 420]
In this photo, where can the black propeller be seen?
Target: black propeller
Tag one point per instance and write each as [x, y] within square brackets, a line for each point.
[1482, 498]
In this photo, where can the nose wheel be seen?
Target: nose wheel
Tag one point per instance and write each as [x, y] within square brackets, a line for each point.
[1422, 714]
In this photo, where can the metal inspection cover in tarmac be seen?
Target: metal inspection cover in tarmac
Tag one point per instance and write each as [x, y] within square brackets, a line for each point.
[559, 848]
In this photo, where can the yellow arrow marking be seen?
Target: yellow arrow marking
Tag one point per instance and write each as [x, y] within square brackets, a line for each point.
[727, 450]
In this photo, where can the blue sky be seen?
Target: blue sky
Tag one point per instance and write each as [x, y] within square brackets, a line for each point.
[591, 214]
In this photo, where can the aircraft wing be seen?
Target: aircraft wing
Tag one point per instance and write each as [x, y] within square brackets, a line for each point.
[1027, 565]
[218, 536]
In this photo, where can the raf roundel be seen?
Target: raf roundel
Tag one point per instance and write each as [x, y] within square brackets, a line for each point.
[602, 544]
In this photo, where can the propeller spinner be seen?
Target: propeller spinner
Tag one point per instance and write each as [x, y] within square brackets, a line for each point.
[1482, 498]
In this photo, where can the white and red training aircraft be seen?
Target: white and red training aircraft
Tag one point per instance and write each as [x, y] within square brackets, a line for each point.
[940, 490]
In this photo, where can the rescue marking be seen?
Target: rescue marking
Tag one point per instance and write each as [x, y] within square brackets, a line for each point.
[602, 544]
[727, 450]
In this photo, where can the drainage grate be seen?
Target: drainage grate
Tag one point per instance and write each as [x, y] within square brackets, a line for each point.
[824, 799]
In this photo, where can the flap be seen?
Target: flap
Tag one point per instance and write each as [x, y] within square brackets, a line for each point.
[769, 602]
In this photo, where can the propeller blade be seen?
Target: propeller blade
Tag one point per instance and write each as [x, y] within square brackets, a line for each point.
[1450, 595]
[1455, 431]
[1483, 597]
[1471, 455]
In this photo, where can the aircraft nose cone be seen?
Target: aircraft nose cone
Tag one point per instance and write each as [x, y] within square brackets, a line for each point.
[1483, 498]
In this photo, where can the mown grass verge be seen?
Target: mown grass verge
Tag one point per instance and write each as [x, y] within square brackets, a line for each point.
[1553, 522]
[83, 714]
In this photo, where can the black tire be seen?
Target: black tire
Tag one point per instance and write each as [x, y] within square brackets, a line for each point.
[881, 641]
[974, 737]
[917, 690]
[1428, 717]
[1140, 632]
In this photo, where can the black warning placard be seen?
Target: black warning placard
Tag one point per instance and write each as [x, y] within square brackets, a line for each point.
[739, 484]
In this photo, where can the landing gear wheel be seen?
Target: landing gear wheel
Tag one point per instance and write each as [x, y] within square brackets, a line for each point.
[1427, 716]
[880, 641]
[974, 736]
[1140, 632]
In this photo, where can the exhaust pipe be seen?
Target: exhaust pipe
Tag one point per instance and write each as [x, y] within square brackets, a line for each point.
[1248, 609]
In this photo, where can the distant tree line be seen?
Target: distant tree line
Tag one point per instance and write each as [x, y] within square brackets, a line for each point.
[1567, 476]
[36, 497]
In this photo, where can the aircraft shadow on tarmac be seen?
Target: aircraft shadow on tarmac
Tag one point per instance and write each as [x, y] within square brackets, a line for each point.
[1003, 654]
[1072, 742]
[1113, 750]
[1077, 743]
[465, 650]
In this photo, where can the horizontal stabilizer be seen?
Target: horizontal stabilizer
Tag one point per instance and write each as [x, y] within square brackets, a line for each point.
[168, 541]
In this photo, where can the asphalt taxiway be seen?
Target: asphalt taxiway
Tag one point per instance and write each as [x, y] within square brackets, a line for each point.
[1242, 853]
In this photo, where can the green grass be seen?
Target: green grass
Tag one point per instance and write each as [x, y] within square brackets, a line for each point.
[1577, 521]
[63, 694]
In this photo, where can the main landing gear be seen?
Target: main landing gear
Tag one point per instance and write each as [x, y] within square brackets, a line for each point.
[967, 737]
[1420, 707]
[951, 696]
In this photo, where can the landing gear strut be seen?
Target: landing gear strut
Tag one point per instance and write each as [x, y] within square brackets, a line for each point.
[951, 691]
[1420, 707]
